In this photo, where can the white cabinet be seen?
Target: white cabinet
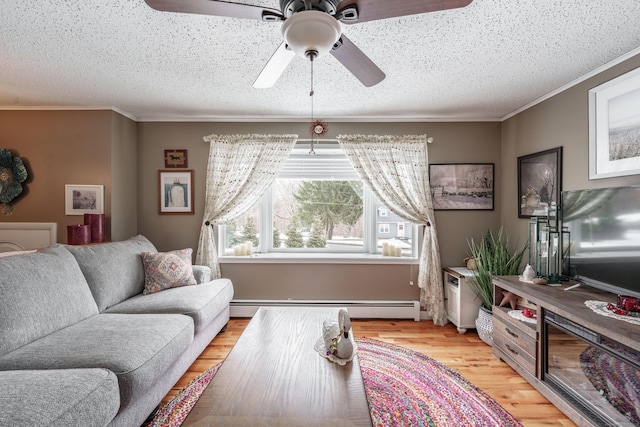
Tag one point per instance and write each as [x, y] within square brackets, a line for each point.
[461, 297]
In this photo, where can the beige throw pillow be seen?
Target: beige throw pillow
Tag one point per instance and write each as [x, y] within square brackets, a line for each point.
[165, 270]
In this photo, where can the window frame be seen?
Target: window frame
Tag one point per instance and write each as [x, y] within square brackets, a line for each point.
[370, 239]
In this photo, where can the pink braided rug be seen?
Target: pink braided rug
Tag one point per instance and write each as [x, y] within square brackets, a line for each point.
[404, 388]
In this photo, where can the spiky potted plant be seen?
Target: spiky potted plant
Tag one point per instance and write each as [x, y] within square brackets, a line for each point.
[494, 257]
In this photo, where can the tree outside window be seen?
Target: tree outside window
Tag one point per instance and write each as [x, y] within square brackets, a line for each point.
[328, 209]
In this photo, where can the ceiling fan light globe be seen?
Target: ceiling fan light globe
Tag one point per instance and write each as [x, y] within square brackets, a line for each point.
[311, 30]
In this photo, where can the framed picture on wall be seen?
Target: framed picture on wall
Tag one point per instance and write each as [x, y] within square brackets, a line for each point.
[462, 186]
[82, 199]
[539, 182]
[175, 159]
[614, 127]
[175, 192]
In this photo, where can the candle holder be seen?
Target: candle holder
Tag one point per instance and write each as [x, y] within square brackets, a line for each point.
[78, 234]
[96, 223]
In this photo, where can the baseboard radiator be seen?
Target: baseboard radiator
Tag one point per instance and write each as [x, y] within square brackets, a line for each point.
[357, 309]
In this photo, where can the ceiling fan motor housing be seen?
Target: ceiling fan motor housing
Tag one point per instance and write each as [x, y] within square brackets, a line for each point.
[290, 7]
[311, 33]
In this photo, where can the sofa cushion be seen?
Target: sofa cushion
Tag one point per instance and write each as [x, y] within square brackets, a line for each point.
[201, 302]
[40, 293]
[165, 270]
[137, 348]
[67, 397]
[113, 270]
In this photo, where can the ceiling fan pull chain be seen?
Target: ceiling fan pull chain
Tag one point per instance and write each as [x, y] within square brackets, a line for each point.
[312, 151]
[311, 93]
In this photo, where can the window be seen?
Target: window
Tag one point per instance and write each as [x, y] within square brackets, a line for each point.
[318, 204]
[243, 230]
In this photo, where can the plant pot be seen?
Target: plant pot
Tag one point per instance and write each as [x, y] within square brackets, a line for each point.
[484, 325]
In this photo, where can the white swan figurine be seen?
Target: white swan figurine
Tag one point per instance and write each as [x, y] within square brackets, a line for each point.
[337, 335]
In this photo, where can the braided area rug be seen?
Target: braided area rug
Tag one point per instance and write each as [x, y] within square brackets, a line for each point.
[404, 388]
[407, 388]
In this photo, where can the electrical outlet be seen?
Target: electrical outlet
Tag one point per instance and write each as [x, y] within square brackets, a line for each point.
[410, 282]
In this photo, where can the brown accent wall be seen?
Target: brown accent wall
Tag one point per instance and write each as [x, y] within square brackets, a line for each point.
[67, 147]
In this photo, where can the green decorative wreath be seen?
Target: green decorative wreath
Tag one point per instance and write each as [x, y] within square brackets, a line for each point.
[12, 174]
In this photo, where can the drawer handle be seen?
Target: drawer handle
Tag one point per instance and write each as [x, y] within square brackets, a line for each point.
[511, 349]
[510, 332]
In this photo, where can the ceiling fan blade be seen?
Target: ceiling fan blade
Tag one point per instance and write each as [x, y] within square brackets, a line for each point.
[357, 62]
[371, 10]
[274, 67]
[217, 8]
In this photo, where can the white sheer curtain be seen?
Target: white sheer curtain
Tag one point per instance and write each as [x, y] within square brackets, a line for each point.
[240, 169]
[396, 168]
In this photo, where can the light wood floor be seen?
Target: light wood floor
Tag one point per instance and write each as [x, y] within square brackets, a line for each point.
[465, 353]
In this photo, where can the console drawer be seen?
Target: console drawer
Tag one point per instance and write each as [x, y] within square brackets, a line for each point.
[514, 352]
[512, 331]
[515, 339]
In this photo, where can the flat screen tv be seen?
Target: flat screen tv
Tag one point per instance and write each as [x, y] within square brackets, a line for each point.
[604, 238]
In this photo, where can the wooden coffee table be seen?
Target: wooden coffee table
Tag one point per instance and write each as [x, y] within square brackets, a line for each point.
[274, 377]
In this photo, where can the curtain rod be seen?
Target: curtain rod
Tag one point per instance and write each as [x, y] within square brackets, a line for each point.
[314, 140]
[429, 140]
[317, 140]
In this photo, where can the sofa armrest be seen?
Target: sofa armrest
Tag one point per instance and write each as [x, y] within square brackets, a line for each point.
[202, 273]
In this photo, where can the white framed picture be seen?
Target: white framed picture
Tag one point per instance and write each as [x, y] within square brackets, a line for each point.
[82, 199]
[614, 127]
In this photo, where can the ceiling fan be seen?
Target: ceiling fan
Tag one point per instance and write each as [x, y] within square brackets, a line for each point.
[312, 28]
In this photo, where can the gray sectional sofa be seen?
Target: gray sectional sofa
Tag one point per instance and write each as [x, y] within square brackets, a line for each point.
[81, 345]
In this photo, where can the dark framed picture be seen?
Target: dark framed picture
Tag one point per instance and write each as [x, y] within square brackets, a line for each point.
[175, 192]
[539, 182]
[462, 186]
[175, 159]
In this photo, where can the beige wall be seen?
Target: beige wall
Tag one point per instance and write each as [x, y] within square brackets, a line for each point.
[323, 281]
[124, 177]
[560, 121]
[104, 147]
[454, 142]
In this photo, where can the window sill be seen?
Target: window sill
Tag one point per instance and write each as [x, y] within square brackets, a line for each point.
[316, 258]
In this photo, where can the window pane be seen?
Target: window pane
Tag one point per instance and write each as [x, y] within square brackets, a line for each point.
[393, 230]
[319, 204]
[245, 229]
[318, 215]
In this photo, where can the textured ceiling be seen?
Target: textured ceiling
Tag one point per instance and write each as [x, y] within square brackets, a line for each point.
[481, 62]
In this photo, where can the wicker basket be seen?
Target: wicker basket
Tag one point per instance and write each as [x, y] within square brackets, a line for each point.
[484, 325]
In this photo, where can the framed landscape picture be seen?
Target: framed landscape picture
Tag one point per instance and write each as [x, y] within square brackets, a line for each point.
[462, 186]
[175, 192]
[82, 199]
[614, 127]
[539, 182]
